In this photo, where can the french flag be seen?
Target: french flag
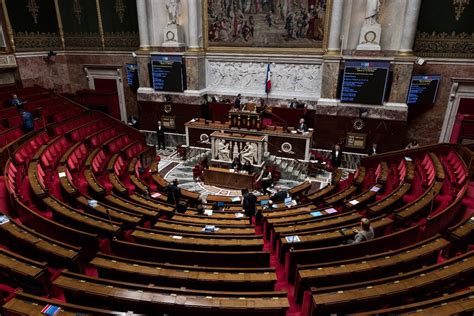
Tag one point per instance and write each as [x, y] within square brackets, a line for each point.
[268, 80]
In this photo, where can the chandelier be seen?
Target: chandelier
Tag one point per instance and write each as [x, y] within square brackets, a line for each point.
[459, 6]
[120, 9]
[33, 8]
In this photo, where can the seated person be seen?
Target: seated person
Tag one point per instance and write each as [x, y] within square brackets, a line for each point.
[248, 167]
[301, 127]
[279, 196]
[15, 101]
[412, 144]
[236, 165]
[28, 121]
[373, 150]
[365, 233]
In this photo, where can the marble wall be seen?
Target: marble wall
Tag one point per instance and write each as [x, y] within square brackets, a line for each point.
[426, 126]
[65, 72]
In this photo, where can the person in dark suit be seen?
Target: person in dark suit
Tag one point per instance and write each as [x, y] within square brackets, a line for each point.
[248, 167]
[293, 104]
[249, 203]
[205, 108]
[266, 179]
[237, 102]
[336, 156]
[301, 127]
[280, 195]
[160, 133]
[236, 165]
[174, 193]
[373, 150]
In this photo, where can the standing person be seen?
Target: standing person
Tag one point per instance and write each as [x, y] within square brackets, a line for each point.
[373, 150]
[266, 179]
[237, 102]
[28, 121]
[336, 156]
[205, 108]
[236, 165]
[133, 122]
[174, 193]
[249, 202]
[160, 134]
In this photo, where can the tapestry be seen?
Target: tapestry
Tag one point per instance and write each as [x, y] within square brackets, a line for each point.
[266, 23]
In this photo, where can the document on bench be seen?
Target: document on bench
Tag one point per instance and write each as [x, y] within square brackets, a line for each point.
[4, 219]
[375, 189]
[208, 212]
[62, 174]
[239, 215]
[354, 202]
[316, 213]
[177, 237]
[295, 238]
[235, 199]
[210, 228]
[331, 210]
[156, 195]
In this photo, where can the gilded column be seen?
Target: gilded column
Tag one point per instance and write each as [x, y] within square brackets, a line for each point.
[60, 24]
[409, 27]
[143, 24]
[194, 31]
[334, 43]
[101, 26]
[9, 25]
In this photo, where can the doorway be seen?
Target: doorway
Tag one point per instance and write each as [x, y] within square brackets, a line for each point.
[108, 85]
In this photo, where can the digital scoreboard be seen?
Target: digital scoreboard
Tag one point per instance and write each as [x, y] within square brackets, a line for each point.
[423, 89]
[167, 73]
[364, 82]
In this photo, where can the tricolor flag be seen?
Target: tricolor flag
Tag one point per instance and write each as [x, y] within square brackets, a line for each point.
[268, 80]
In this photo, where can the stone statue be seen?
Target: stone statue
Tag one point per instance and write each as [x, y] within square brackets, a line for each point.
[249, 153]
[372, 11]
[172, 8]
[224, 152]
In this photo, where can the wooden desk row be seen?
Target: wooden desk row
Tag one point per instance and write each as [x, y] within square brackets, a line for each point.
[369, 267]
[196, 242]
[189, 276]
[103, 293]
[174, 227]
[249, 259]
[393, 290]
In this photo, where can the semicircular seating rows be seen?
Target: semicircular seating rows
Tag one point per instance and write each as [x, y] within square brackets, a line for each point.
[87, 229]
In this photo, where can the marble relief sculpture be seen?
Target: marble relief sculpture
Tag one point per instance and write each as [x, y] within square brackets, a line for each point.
[287, 79]
[249, 153]
[224, 152]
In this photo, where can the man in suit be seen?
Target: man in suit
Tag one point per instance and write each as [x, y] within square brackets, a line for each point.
[373, 150]
[249, 203]
[365, 233]
[336, 156]
[160, 133]
[266, 179]
[301, 127]
[280, 195]
[174, 193]
[293, 104]
[237, 102]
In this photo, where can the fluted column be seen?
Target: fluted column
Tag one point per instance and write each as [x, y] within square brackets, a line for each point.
[194, 29]
[334, 43]
[143, 24]
[409, 27]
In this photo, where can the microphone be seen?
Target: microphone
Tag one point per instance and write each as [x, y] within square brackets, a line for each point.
[111, 224]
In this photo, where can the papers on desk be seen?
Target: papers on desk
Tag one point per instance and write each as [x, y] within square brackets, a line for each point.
[408, 159]
[294, 132]
[210, 228]
[316, 213]
[208, 212]
[239, 215]
[375, 189]
[51, 310]
[331, 210]
[295, 238]
[354, 202]
[177, 237]
[156, 195]
[231, 170]
[92, 203]
[62, 174]
[235, 199]
[4, 219]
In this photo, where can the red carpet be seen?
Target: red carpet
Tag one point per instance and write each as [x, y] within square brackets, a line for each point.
[282, 283]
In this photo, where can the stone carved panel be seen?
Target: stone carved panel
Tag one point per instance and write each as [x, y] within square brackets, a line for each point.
[299, 80]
